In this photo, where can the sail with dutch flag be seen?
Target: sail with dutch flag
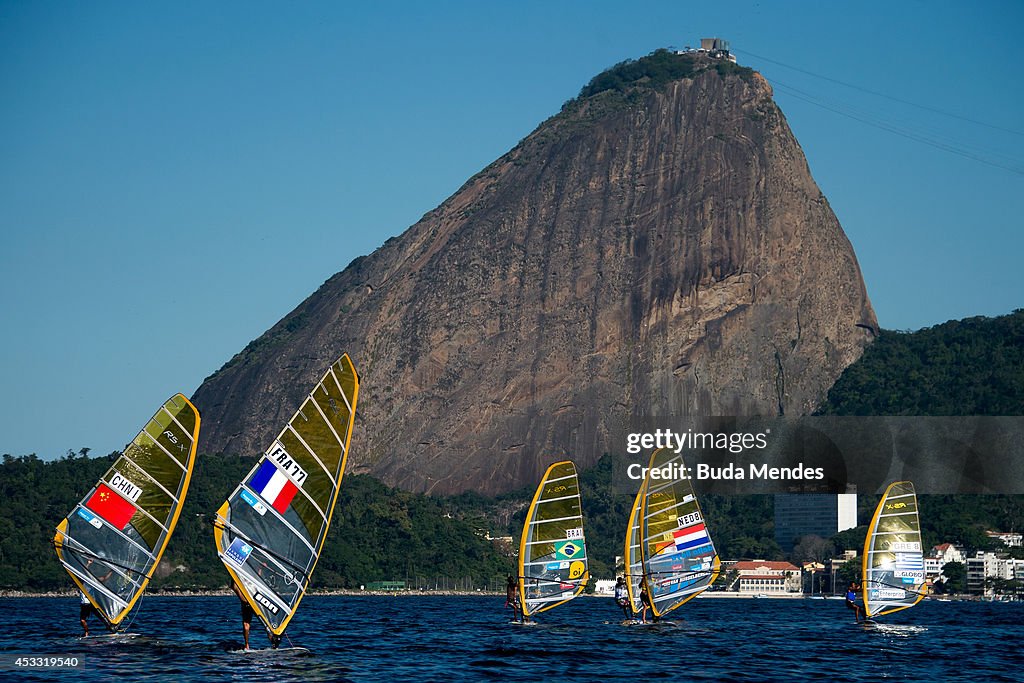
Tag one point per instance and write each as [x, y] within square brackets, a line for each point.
[270, 531]
[679, 558]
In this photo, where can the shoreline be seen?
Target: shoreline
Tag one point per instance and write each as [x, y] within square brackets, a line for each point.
[729, 595]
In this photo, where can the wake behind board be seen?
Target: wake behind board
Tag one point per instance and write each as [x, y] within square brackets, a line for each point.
[522, 623]
[110, 637]
[272, 652]
[653, 624]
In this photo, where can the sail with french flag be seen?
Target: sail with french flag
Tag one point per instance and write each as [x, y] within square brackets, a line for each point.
[271, 529]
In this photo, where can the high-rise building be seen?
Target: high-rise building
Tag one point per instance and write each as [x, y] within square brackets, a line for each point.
[818, 514]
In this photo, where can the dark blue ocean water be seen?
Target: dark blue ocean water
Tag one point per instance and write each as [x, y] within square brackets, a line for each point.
[436, 638]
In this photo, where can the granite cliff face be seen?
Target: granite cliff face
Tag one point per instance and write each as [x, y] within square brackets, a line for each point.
[647, 252]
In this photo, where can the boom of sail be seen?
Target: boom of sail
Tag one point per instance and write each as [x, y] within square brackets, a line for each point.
[679, 559]
[552, 550]
[111, 542]
[270, 531]
[893, 563]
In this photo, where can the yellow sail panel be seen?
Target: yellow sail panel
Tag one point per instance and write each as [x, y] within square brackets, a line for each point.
[552, 551]
[112, 541]
[892, 569]
[271, 529]
[634, 561]
[679, 558]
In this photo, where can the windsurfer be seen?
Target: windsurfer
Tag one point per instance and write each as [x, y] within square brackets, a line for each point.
[86, 609]
[645, 601]
[622, 598]
[851, 601]
[247, 613]
[512, 598]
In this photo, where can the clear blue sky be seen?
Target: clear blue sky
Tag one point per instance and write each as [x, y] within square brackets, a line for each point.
[176, 177]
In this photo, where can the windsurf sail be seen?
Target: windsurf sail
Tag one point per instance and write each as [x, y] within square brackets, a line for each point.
[552, 550]
[112, 541]
[679, 559]
[893, 562]
[633, 559]
[271, 529]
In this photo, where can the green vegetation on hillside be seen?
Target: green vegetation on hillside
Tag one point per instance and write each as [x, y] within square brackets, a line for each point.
[377, 533]
[654, 72]
[973, 366]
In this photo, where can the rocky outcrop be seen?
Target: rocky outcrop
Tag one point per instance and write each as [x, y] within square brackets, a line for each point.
[647, 252]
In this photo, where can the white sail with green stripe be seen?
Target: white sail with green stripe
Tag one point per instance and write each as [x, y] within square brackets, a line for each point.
[270, 531]
[112, 541]
[893, 564]
[552, 550]
[679, 559]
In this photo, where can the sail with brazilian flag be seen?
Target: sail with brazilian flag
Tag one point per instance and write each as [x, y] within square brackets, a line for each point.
[270, 531]
[552, 549]
[679, 559]
[112, 541]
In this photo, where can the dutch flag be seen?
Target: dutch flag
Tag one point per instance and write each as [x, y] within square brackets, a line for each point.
[691, 536]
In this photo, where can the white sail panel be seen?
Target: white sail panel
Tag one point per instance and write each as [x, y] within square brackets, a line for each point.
[633, 559]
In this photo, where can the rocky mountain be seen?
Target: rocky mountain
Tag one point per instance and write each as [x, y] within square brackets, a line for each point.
[658, 247]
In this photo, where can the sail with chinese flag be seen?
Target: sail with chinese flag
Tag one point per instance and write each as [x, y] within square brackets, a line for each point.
[111, 542]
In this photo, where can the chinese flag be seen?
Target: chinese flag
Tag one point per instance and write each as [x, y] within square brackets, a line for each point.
[111, 506]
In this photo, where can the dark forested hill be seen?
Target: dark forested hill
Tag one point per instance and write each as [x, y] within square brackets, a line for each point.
[377, 533]
[973, 366]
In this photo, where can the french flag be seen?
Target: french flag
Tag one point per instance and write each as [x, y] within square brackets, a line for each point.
[272, 484]
[691, 536]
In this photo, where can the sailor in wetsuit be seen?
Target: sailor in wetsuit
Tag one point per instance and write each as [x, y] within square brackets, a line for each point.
[851, 601]
[86, 609]
[246, 613]
[512, 599]
[645, 601]
[622, 597]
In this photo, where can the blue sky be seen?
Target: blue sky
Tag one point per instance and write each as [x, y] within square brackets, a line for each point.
[176, 177]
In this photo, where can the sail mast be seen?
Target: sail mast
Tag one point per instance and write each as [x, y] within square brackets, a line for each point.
[633, 557]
